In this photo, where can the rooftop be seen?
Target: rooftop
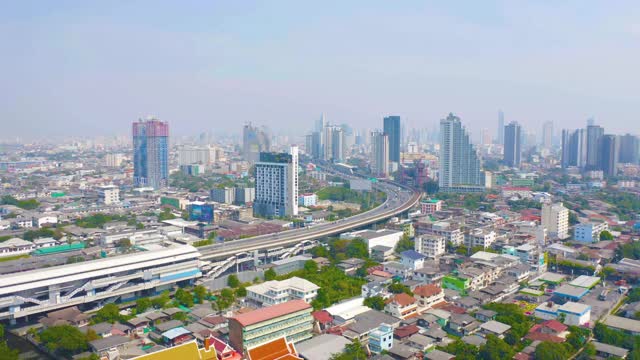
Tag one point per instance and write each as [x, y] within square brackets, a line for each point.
[267, 313]
[585, 281]
[622, 323]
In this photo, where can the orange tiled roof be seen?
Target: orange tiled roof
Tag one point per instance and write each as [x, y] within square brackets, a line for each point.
[402, 299]
[278, 349]
[428, 290]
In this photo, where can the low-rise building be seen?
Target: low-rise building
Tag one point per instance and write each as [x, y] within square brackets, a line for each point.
[430, 206]
[291, 319]
[307, 199]
[430, 246]
[402, 306]
[381, 339]
[428, 295]
[16, 246]
[276, 292]
[589, 232]
[412, 259]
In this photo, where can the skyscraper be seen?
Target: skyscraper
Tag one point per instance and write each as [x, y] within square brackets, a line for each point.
[608, 155]
[391, 128]
[460, 165]
[565, 155]
[574, 151]
[277, 184]
[512, 146]
[333, 144]
[151, 153]
[629, 149]
[379, 154]
[254, 141]
[500, 127]
[594, 133]
[547, 135]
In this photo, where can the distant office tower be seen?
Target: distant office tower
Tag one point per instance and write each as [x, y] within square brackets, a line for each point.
[391, 128]
[594, 133]
[629, 149]
[591, 121]
[460, 165]
[555, 218]
[485, 137]
[316, 145]
[333, 144]
[151, 153]
[512, 148]
[254, 141]
[547, 135]
[277, 184]
[565, 153]
[320, 124]
[379, 154]
[578, 148]
[608, 155]
[500, 127]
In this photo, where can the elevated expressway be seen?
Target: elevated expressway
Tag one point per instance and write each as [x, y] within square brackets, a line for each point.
[223, 256]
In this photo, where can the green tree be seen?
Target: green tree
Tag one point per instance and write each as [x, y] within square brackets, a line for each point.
[353, 351]
[320, 251]
[166, 214]
[65, 340]
[462, 350]
[109, 313]
[182, 316]
[232, 281]
[184, 297]
[241, 292]
[92, 335]
[160, 301]
[404, 244]
[226, 299]
[495, 349]
[375, 302]
[200, 293]
[357, 248]
[124, 243]
[397, 288]
[142, 304]
[270, 274]
[310, 267]
[552, 351]
[6, 353]
[606, 235]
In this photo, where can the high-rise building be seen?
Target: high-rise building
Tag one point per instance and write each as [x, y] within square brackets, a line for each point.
[460, 165]
[151, 153]
[254, 141]
[629, 149]
[277, 184]
[333, 144]
[578, 148]
[608, 155]
[594, 133]
[379, 154]
[391, 128]
[512, 146]
[500, 137]
[555, 218]
[547, 135]
[485, 137]
[565, 153]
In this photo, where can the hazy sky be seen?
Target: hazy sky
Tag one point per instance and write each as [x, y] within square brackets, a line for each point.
[92, 67]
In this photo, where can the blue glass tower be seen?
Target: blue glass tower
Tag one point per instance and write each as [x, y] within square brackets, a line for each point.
[151, 153]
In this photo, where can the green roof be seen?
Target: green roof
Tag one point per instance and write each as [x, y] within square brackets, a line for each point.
[59, 249]
[432, 201]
